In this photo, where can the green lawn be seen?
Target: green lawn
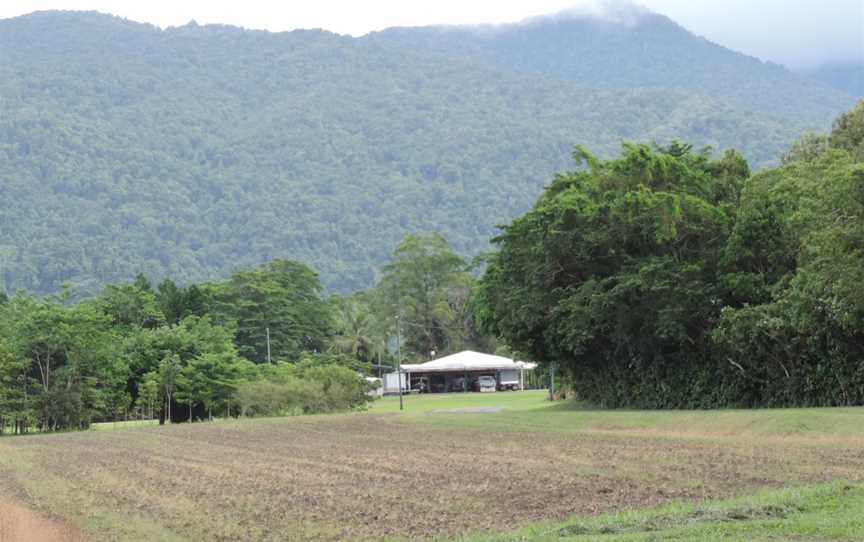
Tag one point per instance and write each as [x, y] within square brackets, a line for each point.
[512, 401]
[532, 411]
[113, 426]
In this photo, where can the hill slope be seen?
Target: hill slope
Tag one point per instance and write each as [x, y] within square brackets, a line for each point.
[627, 48]
[846, 76]
[194, 151]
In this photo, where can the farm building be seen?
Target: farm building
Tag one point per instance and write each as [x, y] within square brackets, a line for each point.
[464, 371]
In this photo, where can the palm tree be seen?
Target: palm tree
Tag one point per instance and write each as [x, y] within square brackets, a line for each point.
[353, 325]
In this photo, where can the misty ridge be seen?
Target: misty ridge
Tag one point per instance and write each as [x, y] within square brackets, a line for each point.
[195, 151]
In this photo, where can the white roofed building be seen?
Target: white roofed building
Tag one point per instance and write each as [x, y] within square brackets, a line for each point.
[461, 372]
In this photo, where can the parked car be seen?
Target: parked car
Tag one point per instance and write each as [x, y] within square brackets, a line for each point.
[458, 384]
[485, 383]
[508, 380]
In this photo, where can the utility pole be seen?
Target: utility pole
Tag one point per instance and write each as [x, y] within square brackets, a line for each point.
[268, 345]
[552, 382]
[399, 358]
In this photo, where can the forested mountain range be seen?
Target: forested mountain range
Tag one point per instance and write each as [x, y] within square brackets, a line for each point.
[629, 48]
[190, 152]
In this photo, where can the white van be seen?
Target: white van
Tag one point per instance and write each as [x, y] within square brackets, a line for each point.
[486, 383]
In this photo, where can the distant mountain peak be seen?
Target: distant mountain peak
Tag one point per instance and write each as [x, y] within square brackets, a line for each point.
[623, 12]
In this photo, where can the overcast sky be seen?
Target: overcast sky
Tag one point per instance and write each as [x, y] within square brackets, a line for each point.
[792, 32]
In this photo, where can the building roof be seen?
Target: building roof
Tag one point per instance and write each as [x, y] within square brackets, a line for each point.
[467, 360]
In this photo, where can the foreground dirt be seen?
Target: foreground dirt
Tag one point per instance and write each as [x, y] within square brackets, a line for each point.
[366, 476]
[19, 523]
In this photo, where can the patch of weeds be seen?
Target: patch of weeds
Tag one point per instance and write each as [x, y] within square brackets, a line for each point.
[696, 517]
[663, 522]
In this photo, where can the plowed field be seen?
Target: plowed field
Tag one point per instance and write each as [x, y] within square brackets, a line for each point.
[377, 474]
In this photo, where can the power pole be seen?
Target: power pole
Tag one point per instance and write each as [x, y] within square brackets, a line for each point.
[268, 345]
[399, 359]
[552, 382]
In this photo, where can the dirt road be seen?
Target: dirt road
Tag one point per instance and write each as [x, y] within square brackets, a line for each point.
[20, 524]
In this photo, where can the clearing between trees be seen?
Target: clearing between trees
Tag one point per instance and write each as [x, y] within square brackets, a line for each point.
[437, 472]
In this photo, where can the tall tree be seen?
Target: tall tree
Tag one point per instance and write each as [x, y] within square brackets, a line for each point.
[614, 274]
[178, 303]
[354, 327]
[283, 297]
[796, 332]
[14, 405]
[69, 353]
[131, 305]
[168, 373]
[417, 287]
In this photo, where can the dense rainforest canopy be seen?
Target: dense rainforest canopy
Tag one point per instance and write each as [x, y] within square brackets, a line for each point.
[190, 153]
[264, 342]
[666, 278]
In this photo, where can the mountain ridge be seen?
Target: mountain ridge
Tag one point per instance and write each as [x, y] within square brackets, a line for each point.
[193, 151]
[504, 46]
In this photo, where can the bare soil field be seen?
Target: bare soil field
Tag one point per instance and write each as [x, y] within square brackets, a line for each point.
[368, 475]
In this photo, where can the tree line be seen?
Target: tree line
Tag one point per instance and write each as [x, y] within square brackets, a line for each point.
[670, 279]
[264, 342]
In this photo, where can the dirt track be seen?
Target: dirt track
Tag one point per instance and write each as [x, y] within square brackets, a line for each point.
[20, 524]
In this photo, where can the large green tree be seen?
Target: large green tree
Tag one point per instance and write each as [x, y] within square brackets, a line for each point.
[177, 303]
[283, 297]
[131, 305]
[15, 410]
[70, 359]
[426, 290]
[615, 273]
[796, 333]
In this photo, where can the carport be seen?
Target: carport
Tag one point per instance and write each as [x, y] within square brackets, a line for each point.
[458, 372]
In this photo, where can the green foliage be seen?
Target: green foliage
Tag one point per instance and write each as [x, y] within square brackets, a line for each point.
[657, 280]
[130, 305]
[178, 303]
[800, 340]
[614, 274]
[70, 374]
[314, 385]
[645, 50]
[174, 353]
[809, 147]
[427, 293]
[193, 152]
[847, 132]
[355, 329]
[282, 296]
[14, 405]
[415, 283]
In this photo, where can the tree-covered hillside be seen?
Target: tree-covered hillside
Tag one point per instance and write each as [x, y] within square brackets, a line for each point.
[195, 151]
[847, 76]
[630, 48]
